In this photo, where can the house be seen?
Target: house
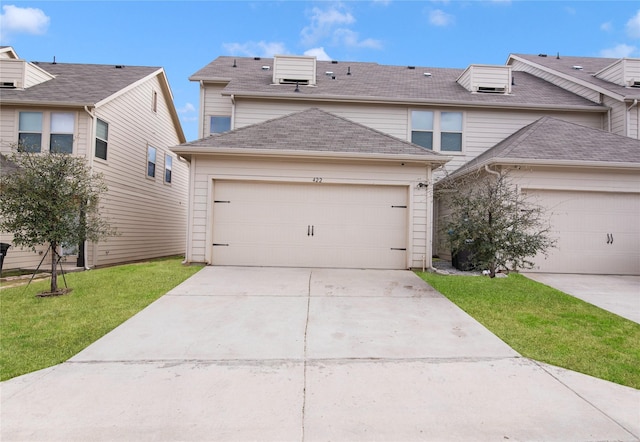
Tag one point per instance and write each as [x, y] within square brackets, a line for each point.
[122, 120]
[457, 113]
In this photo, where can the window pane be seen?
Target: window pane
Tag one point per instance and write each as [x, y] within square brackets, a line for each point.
[61, 143]
[220, 124]
[30, 122]
[151, 161]
[451, 142]
[424, 139]
[421, 120]
[168, 162]
[62, 123]
[451, 121]
[102, 130]
[30, 142]
[101, 149]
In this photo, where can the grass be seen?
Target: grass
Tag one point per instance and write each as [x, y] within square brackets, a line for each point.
[548, 325]
[37, 332]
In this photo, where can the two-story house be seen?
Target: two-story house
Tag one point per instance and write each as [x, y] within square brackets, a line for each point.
[275, 121]
[122, 119]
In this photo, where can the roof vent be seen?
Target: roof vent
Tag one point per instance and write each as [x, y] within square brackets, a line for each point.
[542, 55]
[7, 85]
[490, 90]
[119, 66]
[256, 58]
[334, 62]
[266, 68]
[329, 73]
[635, 84]
[427, 74]
[577, 68]
[349, 70]
[411, 67]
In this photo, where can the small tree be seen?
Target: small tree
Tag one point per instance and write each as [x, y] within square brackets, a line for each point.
[494, 223]
[51, 199]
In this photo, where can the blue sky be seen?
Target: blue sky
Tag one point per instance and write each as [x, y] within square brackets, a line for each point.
[183, 36]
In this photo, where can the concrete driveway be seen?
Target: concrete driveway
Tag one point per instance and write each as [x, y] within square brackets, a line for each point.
[298, 354]
[619, 294]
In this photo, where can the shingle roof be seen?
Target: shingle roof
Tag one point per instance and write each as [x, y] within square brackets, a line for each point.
[551, 140]
[85, 84]
[372, 81]
[590, 66]
[312, 130]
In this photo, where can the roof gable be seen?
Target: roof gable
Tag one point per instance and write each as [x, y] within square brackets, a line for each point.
[310, 131]
[552, 141]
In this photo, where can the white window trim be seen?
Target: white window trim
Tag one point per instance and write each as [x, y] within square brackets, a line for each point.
[437, 132]
[164, 170]
[146, 164]
[96, 137]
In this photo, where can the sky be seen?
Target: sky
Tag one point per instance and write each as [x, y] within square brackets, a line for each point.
[184, 36]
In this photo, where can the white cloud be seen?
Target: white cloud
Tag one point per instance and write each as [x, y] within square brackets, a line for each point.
[255, 49]
[14, 20]
[438, 17]
[633, 26]
[619, 51]
[323, 22]
[349, 38]
[319, 53]
[608, 26]
[187, 108]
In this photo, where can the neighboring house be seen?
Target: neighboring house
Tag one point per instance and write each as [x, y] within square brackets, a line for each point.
[460, 113]
[588, 182]
[122, 120]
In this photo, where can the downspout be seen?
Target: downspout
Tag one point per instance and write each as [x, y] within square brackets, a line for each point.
[90, 153]
[233, 111]
[492, 172]
[628, 130]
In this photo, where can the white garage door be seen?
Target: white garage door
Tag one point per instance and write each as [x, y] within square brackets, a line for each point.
[597, 233]
[309, 225]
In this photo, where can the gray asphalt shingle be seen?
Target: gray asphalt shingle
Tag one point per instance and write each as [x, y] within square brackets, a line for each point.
[312, 130]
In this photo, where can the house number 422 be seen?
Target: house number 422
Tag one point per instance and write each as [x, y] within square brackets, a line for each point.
[317, 179]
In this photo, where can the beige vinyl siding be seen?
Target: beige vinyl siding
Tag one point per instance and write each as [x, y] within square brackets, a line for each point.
[8, 128]
[23, 258]
[617, 116]
[593, 180]
[12, 71]
[291, 68]
[622, 72]
[150, 215]
[35, 75]
[206, 169]
[564, 83]
[214, 104]
[392, 120]
[486, 76]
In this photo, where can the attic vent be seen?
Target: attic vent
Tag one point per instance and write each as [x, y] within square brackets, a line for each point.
[266, 68]
[119, 66]
[334, 62]
[635, 84]
[411, 67]
[427, 74]
[7, 85]
[256, 58]
[490, 90]
[329, 73]
[577, 68]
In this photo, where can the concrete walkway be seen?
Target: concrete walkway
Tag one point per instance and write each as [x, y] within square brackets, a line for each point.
[237, 354]
[618, 294]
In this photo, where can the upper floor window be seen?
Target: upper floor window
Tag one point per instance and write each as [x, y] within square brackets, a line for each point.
[168, 163]
[102, 138]
[439, 131]
[61, 134]
[451, 131]
[53, 131]
[30, 131]
[151, 162]
[220, 124]
[422, 128]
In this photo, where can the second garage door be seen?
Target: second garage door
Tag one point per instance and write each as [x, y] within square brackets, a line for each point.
[596, 232]
[309, 225]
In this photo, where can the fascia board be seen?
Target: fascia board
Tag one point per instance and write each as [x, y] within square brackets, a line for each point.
[421, 159]
[378, 100]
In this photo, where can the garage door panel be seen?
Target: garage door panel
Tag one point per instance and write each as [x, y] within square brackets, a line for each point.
[309, 225]
[596, 232]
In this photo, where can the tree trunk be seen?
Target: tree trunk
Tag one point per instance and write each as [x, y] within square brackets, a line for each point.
[54, 267]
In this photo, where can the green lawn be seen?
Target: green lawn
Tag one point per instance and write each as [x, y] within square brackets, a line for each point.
[40, 332]
[547, 325]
